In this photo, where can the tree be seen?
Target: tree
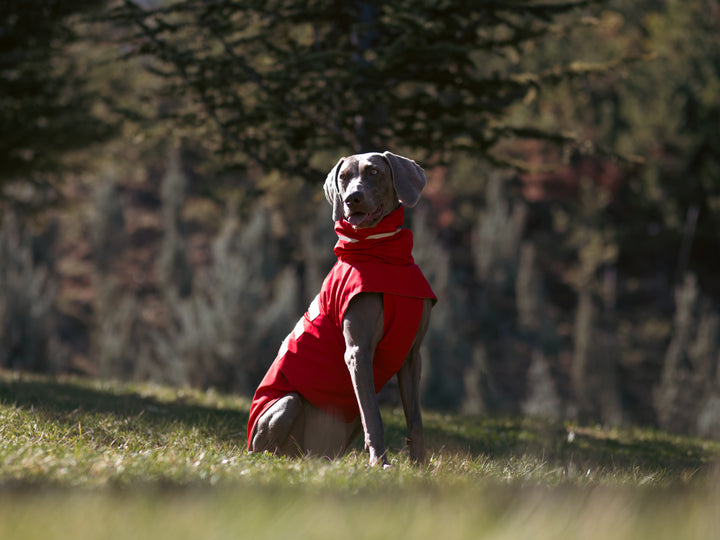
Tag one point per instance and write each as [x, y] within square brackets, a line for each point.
[683, 133]
[45, 110]
[275, 82]
[666, 109]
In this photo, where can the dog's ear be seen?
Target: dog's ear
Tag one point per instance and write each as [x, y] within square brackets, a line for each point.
[408, 178]
[332, 194]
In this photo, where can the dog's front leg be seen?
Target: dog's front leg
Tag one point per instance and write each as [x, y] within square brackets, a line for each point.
[409, 383]
[362, 330]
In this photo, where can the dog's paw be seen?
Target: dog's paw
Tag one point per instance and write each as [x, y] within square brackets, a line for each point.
[379, 461]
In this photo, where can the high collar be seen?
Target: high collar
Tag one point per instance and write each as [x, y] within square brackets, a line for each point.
[390, 224]
[387, 242]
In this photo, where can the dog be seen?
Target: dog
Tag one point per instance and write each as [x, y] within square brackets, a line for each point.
[365, 326]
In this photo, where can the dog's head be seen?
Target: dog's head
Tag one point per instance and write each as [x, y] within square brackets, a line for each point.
[364, 188]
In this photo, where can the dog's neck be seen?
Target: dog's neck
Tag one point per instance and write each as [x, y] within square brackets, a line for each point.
[389, 225]
[387, 242]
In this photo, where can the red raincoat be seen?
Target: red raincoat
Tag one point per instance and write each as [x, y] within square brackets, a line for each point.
[311, 359]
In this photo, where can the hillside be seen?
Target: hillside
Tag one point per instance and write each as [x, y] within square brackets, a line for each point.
[107, 460]
[569, 227]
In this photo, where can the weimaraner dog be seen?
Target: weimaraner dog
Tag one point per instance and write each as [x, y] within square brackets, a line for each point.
[309, 400]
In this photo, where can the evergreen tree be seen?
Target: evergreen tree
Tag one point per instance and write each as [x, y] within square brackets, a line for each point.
[281, 80]
[45, 111]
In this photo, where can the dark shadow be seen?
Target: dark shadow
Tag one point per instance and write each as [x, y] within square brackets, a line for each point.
[63, 401]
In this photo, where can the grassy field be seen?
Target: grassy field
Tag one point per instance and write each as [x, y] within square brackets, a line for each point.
[90, 459]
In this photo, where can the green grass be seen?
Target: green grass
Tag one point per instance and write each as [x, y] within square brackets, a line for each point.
[90, 459]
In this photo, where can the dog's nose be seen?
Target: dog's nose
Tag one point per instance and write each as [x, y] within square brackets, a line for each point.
[355, 197]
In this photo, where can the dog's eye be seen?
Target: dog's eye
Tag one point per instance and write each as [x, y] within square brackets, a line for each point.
[373, 171]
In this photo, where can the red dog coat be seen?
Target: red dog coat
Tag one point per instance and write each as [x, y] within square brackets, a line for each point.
[311, 359]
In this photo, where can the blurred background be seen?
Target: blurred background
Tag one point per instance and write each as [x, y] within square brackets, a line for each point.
[162, 215]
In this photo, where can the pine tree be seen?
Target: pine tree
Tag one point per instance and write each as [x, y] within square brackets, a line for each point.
[281, 80]
[45, 110]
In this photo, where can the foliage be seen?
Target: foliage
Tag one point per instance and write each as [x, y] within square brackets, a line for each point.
[26, 293]
[626, 246]
[562, 307]
[274, 83]
[217, 325]
[679, 126]
[663, 108]
[46, 109]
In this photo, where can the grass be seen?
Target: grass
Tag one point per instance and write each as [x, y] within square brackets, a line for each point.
[93, 459]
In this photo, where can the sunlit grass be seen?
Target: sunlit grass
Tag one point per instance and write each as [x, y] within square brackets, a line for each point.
[95, 459]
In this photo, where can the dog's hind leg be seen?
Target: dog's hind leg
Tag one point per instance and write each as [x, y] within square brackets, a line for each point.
[279, 430]
[326, 435]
